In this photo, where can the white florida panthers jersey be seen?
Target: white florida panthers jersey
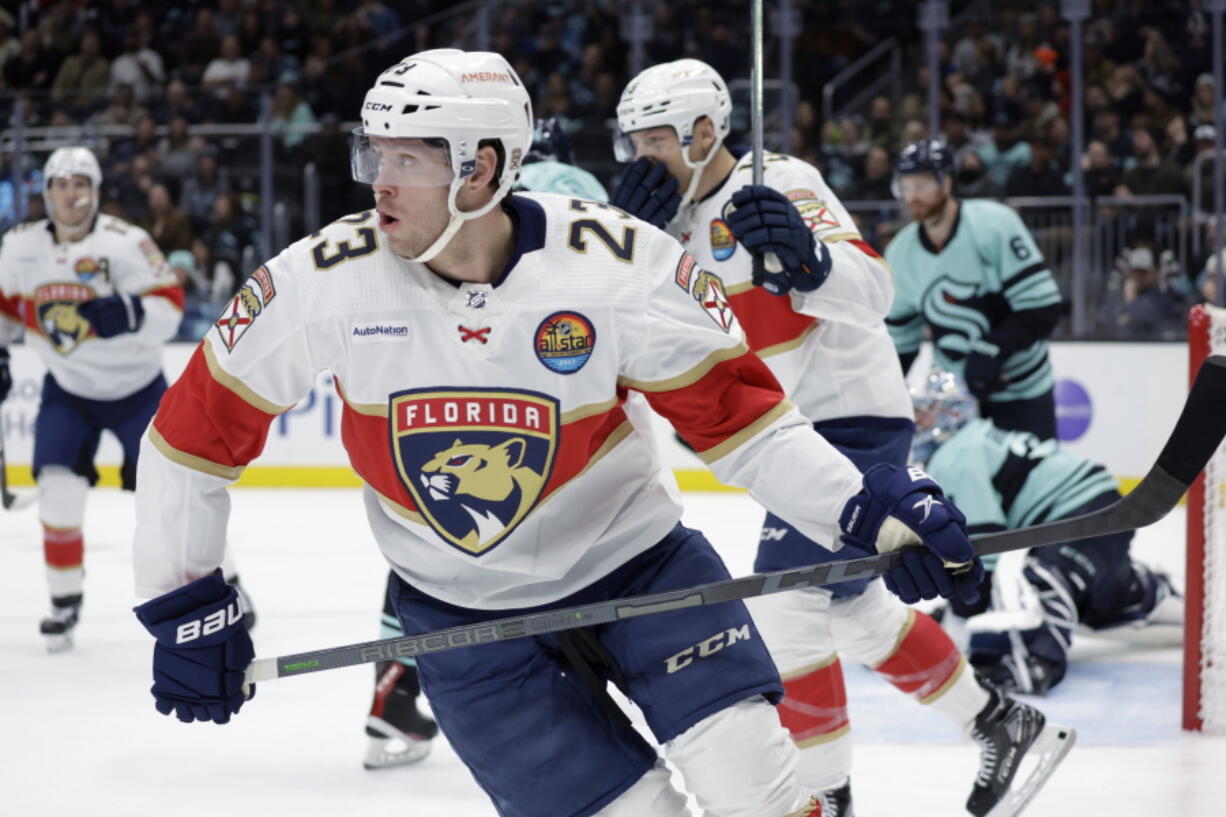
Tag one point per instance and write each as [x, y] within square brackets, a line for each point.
[502, 466]
[829, 348]
[42, 282]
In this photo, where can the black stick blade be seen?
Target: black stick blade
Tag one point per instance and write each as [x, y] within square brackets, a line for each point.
[1201, 426]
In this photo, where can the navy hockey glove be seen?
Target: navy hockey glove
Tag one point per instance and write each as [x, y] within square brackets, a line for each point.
[202, 650]
[766, 222]
[983, 366]
[114, 314]
[6, 376]
[903, 506]
[648, 191]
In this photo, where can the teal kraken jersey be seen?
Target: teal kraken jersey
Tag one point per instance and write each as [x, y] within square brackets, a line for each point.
[989, 269]
[1012, 479]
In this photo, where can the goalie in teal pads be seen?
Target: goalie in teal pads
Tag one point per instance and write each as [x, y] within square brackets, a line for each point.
[1004, 480]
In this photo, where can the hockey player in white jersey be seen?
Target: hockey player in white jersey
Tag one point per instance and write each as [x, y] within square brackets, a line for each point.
[818, 323]
[96, 302]
[485, 345]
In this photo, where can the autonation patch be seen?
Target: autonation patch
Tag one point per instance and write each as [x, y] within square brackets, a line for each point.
[379, 332]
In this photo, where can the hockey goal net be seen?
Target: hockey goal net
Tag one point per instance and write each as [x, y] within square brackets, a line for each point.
[1204, 650]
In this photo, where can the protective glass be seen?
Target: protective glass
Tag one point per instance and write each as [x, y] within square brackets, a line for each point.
[400, 162]
[655, 143]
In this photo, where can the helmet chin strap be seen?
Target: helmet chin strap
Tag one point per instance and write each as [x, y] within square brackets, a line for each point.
[455, 222]
[697, 167]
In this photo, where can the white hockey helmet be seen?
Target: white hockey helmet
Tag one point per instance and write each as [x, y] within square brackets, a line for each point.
[68, 162]
[675, 94]
[458, 98]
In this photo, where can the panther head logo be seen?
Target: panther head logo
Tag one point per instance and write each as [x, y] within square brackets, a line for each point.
[489, 482]
[64, 326]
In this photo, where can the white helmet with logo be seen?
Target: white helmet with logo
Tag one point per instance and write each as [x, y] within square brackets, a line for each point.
[675, 94]
[460, 99]
[66, 163]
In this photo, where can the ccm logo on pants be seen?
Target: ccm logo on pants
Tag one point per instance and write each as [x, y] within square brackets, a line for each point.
[708, 646]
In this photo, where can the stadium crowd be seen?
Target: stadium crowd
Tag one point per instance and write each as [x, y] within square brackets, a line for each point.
[152, 86]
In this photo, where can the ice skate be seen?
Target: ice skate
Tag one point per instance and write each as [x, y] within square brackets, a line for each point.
[1012, 734]
[836, 802]
[57, 627]
[389, 747]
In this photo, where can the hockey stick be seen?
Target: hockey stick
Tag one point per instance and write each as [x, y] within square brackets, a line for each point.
[8, 499]
[771, 261]
[1197, 434]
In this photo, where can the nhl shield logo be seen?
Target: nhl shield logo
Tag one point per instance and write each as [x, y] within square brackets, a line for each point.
[475, 461]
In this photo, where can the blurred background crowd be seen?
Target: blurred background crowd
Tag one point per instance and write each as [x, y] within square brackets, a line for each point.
[222, 125]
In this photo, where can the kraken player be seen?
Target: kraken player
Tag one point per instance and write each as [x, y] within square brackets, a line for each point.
[484, 345]
[399, 734]
[818, 322]
[970, 270]
[1009, 479]
[96, 301]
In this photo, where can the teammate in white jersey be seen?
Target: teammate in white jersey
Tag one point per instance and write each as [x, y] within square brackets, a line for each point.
[818, 322]
[96, 301]
[485, 345]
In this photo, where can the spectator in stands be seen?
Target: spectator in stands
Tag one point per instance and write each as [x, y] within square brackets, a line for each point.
[1107, 130]
[1100, 174]
[228, 18]
[1202, 100]
[123, 109]
[328, 150]
[973, 180]
[881, 128]
[289, 115]
[1152, 174]
[1124, 90]
[201, 189]
[1041, 177]
[229, 232]
[84, 77]
[166, 224]
[31, 69]
[1158, 67]
[178, 102]
[878, 177]
[1146, 311]
[199, 47]
[1005, 152]
[274, 62]
[139, 67]
[178, 150]
[956, 133]
[9, 45]
[228, 69]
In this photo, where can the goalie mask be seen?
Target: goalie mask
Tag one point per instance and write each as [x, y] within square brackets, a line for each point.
[65, 163]
[675, 94]
[942, 407]
[425, 119]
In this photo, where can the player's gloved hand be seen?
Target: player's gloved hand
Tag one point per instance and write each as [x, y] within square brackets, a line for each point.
[983, 366]
[766, 222]
[648, 191]
[6, 376]
[114, 314]
[897, 507]
[202, 650]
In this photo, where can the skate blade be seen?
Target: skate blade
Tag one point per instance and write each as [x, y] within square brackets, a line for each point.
[58, 642]
[391, 753]
[1049, 750]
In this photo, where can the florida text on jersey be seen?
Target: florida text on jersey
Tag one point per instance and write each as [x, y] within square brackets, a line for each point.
[503, 465]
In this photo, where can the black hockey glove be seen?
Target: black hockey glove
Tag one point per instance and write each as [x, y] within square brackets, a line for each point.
[114, 314]
[648, 191]
[6, 376]
[766, 222]
[983, 366]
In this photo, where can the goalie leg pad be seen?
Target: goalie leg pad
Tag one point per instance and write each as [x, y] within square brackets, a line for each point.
[739, 762]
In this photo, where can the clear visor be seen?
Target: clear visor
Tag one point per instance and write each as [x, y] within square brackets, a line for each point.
[914, 184]
[654, 143]
[400, 162]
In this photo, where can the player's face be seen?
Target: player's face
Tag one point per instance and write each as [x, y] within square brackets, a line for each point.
[922, 195]
[72, 199]
[411, 216]
[664, 146]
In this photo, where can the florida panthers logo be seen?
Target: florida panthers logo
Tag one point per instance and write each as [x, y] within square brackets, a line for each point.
[61, 324]
[475, 461]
